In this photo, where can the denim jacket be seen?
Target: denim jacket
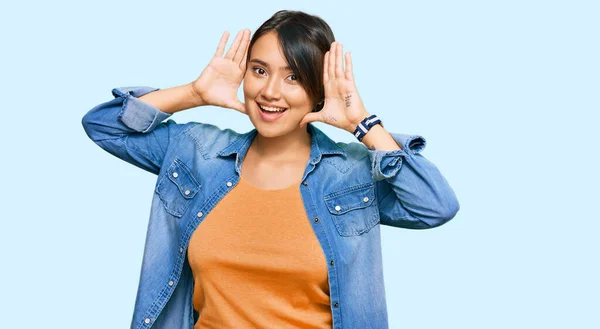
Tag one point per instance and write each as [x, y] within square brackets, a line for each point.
[347, 189]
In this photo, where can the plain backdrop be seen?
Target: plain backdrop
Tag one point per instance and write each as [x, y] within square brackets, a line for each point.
[505, 93]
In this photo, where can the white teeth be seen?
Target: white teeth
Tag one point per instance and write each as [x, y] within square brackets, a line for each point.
[271, 109]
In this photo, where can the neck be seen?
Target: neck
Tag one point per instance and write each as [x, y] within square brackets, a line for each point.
[293, 146]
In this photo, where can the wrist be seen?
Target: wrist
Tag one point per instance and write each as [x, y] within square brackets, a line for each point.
[195, 95]
[365, 125]
[353, 124]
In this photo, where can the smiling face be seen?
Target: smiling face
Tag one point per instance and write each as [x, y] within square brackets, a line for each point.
[269, 82]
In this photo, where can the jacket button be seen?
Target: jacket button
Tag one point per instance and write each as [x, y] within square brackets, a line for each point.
[147, 320]
[335, 304]
[331, 263]
[187, 192]
[366, 199]
[305, 183]
[199, 214]
[171, 283]
[180, 249]
[316, 220]
[229, 184]
[338, 208]
[175, 174]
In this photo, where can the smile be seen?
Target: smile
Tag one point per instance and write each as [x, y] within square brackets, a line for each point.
[270, 114]
[271, 109]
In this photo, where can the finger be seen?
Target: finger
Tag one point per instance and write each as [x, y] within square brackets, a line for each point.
[222, 43]
[246, 54]
[339, 62]
[311, 117]
[245, 57]
[234, 46]
[326, 68]
[349, 73]
[239, 55]
[331, 70]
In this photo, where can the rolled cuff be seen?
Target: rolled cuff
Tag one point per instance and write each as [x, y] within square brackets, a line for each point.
[386, 164]
[136, 114]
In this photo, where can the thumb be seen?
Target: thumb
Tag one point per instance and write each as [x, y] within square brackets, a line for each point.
[238, 106]
[311, 117]
[241, 107]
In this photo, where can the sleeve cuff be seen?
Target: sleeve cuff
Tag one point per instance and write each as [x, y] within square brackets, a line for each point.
[411, 143]
[135, 114]
[386, 164]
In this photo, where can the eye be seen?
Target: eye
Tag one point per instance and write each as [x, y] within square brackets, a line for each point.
[295, 77]
[261, 72]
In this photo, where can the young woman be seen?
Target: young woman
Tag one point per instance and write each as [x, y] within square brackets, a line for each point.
[277, 227]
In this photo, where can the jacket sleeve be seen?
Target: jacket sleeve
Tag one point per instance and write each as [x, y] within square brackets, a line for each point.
[412, 193]
[130, 129]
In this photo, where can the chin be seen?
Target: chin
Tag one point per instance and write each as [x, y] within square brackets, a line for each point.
[271, 131]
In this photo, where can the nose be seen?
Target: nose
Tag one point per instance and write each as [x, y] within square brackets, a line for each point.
[271, 90]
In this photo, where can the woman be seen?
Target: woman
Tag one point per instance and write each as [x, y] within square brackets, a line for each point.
[277, 227]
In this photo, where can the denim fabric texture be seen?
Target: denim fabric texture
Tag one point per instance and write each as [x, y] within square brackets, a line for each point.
[347, 191]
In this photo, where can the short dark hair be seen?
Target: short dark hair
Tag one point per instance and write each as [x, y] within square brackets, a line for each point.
[304, 39]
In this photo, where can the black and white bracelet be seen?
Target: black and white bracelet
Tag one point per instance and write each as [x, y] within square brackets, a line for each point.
[365, 125]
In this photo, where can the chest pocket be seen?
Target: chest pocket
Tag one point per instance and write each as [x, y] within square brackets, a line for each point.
[176, 188]
[353, 209]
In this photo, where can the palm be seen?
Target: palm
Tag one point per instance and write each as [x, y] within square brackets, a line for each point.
[220, 80]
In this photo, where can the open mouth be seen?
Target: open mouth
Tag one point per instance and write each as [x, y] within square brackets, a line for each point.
[271, 110]
[270, 114]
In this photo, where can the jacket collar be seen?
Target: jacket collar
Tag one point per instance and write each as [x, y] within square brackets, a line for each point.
[321, 145]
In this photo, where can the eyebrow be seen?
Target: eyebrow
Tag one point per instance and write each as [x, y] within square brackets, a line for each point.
[256, 60]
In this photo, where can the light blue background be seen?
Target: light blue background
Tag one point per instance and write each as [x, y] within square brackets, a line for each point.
[505, 92]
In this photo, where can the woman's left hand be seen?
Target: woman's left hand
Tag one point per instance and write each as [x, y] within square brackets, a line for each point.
[343, 107]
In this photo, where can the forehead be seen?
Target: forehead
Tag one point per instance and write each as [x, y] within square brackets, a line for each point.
[268, 49]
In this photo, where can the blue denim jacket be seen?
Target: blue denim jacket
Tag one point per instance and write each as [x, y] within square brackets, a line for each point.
[347, 190]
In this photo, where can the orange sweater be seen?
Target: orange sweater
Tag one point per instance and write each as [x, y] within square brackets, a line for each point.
[258, 264]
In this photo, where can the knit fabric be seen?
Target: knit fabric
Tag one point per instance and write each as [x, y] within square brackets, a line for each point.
[258, 264]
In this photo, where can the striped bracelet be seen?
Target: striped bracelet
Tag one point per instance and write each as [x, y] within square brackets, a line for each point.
[365, 125]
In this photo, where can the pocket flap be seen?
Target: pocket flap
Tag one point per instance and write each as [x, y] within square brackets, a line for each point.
[355, 197]
[181, 176]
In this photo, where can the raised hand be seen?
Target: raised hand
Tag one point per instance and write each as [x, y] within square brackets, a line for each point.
[343, 107]
[220, 80]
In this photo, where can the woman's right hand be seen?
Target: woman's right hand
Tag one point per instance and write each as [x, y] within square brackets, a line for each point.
[219, 82]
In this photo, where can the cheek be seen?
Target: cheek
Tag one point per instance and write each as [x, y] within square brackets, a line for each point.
[251, 87]
[297, 97]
